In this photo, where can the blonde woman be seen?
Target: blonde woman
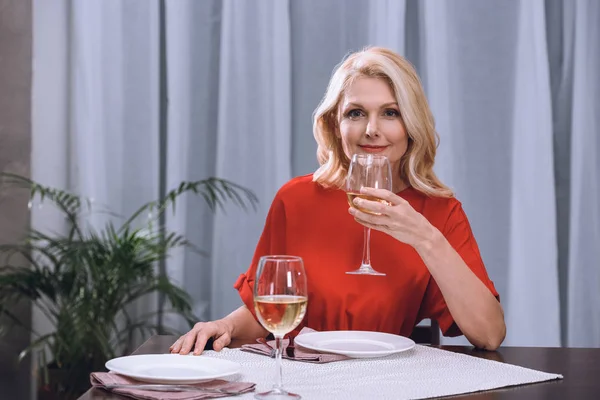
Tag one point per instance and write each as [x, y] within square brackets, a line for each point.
[423, 242]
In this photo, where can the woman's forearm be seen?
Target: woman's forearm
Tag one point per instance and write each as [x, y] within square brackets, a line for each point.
[242, 324]
[474, 308]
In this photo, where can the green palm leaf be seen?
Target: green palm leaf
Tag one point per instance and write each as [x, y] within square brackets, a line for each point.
[86, 282]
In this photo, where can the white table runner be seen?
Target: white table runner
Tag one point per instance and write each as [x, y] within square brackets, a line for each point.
[420, 373]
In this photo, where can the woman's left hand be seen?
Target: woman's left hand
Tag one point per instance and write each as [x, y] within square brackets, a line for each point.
[398, 219]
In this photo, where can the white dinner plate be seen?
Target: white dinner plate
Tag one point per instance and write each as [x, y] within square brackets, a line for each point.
[355, 344]
[172, 368]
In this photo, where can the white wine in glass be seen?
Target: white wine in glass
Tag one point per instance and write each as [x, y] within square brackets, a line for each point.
[280, 300]
[352, 196]
[374, 171]
[280, 314]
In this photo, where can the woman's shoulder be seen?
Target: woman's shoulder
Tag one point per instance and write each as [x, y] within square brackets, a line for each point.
[435, 207]
[302, 185]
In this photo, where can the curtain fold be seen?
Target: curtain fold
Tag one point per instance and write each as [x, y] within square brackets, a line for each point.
[533, 309]
[584, 224]
[95, 110]
[192, 36]
[113, 101]
[253, 132]
[387, 24]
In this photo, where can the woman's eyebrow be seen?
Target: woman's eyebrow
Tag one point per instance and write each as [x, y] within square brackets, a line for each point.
[393, 103]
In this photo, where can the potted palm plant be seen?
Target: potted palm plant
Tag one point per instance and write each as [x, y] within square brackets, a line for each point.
[86, 282]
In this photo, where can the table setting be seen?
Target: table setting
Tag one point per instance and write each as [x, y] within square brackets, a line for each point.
[407, 372]
[311, 365]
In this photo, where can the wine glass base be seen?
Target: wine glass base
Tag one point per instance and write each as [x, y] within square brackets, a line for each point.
[276, 394]
[366, 270]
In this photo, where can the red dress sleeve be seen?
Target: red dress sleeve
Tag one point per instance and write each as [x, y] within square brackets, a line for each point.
[458, 232]
[272, 242]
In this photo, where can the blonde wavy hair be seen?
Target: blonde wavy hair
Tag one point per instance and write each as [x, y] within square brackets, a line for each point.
[416, 166]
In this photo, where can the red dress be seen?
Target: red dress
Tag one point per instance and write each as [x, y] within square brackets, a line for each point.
[312, 222]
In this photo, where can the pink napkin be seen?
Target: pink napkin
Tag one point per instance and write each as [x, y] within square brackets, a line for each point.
[101, 379]
[300, 354]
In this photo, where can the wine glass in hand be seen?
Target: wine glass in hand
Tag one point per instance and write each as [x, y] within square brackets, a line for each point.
[367, 170]
[280, 299]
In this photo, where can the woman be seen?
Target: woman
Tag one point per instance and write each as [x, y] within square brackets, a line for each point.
[423, 241]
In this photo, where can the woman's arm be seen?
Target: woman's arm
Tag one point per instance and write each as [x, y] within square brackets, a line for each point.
[473, 307]
[243, 325]
[240, 324]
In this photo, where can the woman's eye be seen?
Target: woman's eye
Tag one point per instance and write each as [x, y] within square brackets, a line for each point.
[391, 113]
[353, 114]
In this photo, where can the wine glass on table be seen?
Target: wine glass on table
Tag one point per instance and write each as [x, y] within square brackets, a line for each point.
[374, 171]
[280, 299]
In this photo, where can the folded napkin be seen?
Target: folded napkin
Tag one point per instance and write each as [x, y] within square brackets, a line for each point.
[299, 354]
[101, 379]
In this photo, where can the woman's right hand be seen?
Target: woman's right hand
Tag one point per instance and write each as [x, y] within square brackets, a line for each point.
[197, 337]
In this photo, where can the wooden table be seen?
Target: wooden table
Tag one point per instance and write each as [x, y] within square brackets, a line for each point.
[580, 368]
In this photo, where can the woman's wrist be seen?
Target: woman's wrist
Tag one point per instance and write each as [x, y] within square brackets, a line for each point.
[228, 326]
[431, 241]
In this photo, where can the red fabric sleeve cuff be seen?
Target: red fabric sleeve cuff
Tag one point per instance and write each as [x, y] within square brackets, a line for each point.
[448, 326]
[246, 292]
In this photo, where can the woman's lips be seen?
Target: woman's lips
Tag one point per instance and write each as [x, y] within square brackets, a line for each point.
[373, 149]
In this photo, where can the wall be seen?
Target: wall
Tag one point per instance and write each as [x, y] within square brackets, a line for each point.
[15, 149]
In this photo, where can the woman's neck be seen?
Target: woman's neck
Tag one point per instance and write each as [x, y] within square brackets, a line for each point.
[399, 185]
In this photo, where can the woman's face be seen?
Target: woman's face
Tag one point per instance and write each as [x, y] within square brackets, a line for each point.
[369, 121]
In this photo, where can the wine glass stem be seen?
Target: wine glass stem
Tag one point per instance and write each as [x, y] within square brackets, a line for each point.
[278, 353]
[366, 261]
